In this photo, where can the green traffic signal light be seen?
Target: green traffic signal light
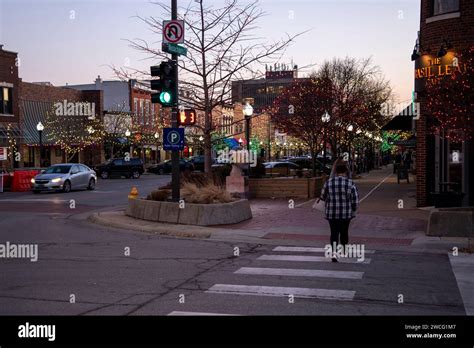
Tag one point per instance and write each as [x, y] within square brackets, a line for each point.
[165, 97]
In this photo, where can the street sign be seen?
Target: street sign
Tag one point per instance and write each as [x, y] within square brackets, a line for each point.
[174, 49]
[187, 117]
[173, 139]
[173, 31]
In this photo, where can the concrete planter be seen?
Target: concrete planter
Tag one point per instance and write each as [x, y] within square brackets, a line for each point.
[452, 222]
[191, 214]
[286, 187]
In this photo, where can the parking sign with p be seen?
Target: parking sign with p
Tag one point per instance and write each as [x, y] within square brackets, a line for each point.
[173, 139]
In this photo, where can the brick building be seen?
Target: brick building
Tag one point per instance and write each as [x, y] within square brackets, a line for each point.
[261, 93]
[446, 28]
[36, 101]
[10, 133]
[127, 106]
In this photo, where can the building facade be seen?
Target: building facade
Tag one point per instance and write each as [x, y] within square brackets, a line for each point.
[446, 29]
[261, 93]
[10, 132]
[128, 107]
[37, 102]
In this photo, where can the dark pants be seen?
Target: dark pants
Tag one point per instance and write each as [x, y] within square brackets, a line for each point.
[339, 231]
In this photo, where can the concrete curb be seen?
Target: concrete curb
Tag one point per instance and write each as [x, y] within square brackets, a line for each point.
[118, 219]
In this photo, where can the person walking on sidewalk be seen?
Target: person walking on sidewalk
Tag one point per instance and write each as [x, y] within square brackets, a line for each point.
[341, 201]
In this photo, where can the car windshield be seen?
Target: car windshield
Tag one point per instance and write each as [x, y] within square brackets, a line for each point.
[57, 170]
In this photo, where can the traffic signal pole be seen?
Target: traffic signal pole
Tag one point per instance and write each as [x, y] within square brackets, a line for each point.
[174, 120]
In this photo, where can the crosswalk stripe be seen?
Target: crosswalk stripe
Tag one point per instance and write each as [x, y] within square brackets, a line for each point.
[300, 272]
[309, 258]
[197, 314]
[309, 249]
[282, 291]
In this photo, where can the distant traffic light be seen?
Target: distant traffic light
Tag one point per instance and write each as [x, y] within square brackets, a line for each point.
[166, 85]
[187, 117]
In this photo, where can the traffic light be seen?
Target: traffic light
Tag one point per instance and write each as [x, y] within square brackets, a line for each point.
[166, 85]
[187, 117]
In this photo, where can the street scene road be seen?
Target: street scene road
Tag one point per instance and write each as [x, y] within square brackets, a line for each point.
[89, 269]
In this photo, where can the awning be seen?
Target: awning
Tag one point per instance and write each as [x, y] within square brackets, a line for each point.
[406, 143]
[13, 131]
[34, 112]
[401, 122]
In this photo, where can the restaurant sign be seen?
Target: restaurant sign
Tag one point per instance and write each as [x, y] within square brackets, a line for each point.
[428, 67]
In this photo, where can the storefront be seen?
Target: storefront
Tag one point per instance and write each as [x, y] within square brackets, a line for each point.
[444, 162]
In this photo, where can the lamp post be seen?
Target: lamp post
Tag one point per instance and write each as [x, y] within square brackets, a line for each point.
[201, 139]
[157, 137]
[350, 129]
[127, 135]
[325, 119]
[248, 112]
[40, 128]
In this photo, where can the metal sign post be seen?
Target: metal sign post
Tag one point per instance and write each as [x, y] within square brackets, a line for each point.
[172, 31]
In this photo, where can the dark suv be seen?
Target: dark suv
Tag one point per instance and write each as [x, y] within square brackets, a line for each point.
[198, 162]
[131, 168]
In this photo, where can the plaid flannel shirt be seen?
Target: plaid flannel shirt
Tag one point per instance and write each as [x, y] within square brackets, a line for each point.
[341, 197]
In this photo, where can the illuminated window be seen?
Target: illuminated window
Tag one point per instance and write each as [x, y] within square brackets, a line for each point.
[6, 104]
[445, 6]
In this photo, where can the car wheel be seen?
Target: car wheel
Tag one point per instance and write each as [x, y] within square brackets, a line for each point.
[135, 174]
[67, 186]
[104, 175]
[36, 191]
[161, 171]
[91, 185]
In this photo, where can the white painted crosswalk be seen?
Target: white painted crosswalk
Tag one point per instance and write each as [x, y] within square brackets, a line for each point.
[295, 272]
[282, 291]
[259, 288]
[304, 258]
[181, 313]
[309, 249]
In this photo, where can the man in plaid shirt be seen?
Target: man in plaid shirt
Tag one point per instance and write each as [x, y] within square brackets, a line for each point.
[342, 200]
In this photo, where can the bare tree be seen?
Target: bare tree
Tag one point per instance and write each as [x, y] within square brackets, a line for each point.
[298, 109]
[222, 46]
[359, 92]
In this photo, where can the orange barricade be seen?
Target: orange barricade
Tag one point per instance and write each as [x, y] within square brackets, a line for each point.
[22, 180]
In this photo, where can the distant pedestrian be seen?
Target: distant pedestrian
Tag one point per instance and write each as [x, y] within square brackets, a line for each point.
[341, 199]
[398, 161]
[407, 159]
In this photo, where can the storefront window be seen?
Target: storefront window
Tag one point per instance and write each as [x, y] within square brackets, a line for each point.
[445, 6]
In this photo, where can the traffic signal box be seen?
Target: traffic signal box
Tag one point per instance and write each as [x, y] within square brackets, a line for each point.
[187, 117]
[166, 85]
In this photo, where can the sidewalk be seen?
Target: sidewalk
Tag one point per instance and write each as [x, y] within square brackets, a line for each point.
[387, 218]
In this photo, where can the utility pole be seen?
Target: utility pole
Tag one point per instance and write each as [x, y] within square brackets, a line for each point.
[174, 119]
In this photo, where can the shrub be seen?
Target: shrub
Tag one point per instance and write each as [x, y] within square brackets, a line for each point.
[207, 194]
[158, 195]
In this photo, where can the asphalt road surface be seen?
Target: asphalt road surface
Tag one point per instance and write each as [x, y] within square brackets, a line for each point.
[86, 269]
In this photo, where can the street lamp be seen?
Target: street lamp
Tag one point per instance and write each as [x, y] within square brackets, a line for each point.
[40, 128]
[350, 128]
[325, 119]
[157, 156]
[248, 112]
[201, 138]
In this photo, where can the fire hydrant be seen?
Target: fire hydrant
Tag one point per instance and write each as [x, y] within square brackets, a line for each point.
[133, 193]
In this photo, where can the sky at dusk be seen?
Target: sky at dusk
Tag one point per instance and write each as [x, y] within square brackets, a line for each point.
[67, 41]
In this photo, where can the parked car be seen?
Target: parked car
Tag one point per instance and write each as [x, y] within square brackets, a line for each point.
[198, 162]
[165, 167]
[280, 168]
[131, 168]
[307, 163]
[64, 177]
